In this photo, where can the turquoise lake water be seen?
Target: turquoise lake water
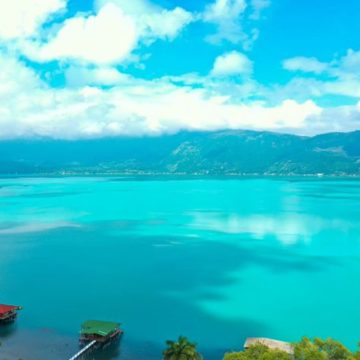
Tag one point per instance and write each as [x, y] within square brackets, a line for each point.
[216, 260]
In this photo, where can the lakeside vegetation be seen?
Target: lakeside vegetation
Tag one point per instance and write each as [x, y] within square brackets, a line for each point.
[182, 349]
[305, 349]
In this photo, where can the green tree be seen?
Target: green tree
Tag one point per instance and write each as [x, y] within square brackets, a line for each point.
[182, 349]
[357, 354]
[258, 352]
[319, 349]
[307, 350]
[333, 349]
[235, 356]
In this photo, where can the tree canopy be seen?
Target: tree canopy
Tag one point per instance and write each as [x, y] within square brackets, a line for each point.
[319, 349]
[258, 352]
[182, 349]
[306, 349]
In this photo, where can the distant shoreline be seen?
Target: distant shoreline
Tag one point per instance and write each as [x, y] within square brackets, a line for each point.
[226, 154]
[176, 175]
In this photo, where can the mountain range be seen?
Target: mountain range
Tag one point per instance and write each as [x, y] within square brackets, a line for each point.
[230, 152]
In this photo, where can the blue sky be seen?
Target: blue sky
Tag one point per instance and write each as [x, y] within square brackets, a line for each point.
[93, 68]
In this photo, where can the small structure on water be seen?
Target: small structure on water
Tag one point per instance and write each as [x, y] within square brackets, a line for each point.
[8, 313]
[100, 331]
[95, 334]
[271, 344]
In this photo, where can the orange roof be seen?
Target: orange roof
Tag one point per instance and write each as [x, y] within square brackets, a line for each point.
[7, 308]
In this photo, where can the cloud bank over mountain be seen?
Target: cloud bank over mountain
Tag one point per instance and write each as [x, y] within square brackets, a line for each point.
[67, 72]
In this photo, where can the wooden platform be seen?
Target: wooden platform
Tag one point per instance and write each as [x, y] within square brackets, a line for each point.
[271, 344]
[84, 350]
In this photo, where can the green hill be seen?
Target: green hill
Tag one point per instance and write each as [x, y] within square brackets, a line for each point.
[213, 153]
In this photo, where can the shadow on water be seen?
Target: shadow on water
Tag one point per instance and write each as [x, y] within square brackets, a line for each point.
[7, 330]
[108, 352]
[155, 291]
[36, 345]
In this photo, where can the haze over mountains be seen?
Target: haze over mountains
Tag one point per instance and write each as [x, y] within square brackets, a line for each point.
[209, 153]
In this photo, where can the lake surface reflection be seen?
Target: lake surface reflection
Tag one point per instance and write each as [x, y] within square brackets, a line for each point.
[215, 260]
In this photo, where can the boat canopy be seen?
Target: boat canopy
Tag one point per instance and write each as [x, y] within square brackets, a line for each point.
[101, 328]
[4, 309]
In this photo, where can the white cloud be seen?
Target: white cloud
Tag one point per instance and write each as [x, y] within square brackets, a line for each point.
[133, 7]
[304, 64]
[258, 6]
[226, 14]
[131, 106]
[224, 9]
[28, 107]
[342, 77]
[109, 36]
[152, 21]
[234, 21]
[77, 76]
[92, 46]
[106, 38]
[309, 88]
[348, 65]
[23, 18]
[232, 63]
[166, 24]
[13, 74]
[340, 118]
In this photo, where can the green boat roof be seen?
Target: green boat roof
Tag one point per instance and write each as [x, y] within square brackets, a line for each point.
[102, 328]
